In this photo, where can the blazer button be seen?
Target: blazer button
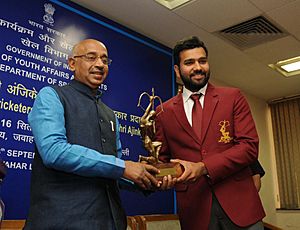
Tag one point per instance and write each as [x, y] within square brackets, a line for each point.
[203, 152]
[103, 140]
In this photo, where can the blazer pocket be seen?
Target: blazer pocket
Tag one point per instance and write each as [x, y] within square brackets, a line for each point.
[181, 187]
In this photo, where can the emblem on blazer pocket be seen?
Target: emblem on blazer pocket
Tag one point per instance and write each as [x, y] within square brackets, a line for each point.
[225, 138]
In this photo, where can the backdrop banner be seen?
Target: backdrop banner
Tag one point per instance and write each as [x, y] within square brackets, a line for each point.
[36, 40]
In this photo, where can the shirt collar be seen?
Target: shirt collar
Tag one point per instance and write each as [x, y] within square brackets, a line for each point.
[187, 93]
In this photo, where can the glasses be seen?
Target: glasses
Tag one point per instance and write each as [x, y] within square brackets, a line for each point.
[92, 57]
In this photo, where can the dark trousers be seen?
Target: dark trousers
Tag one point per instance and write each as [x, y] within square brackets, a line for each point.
[220, 221]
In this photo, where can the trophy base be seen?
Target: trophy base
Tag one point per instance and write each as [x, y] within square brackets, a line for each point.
[173, 169]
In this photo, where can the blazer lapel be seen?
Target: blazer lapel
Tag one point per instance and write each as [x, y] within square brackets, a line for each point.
[210, 102]
[180, 116]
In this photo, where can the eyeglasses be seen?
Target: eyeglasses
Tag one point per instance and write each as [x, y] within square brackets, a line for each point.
[92, 57]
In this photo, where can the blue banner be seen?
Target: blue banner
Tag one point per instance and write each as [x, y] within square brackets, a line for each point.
[35, 45]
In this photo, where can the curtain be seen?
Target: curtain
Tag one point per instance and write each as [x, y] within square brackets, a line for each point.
[286, 130]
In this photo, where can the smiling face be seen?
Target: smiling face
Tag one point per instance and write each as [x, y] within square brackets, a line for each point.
[90, 73]
[193, 68]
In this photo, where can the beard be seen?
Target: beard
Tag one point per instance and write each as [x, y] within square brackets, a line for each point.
[193, 85]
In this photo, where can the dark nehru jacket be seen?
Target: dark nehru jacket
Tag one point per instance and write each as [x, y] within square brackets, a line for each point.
[69, 201]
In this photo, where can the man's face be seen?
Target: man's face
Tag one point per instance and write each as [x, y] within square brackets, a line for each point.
[193, 68]
[90, 73]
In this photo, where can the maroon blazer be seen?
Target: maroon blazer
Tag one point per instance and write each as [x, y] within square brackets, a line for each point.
[229, 144]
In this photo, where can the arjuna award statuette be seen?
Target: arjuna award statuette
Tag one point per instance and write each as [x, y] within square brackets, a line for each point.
[147, 127]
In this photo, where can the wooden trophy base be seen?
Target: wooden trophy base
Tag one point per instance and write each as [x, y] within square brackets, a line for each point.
[173, 169]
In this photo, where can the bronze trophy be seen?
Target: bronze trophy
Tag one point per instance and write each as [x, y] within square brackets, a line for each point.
[147, 127]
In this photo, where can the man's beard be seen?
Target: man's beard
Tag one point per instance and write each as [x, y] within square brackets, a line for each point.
[192, 85]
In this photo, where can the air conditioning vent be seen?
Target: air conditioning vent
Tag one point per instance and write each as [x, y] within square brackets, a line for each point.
[252, 33]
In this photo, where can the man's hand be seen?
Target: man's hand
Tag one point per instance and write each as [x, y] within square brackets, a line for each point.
[168, 182]
[192, 171]
[141, 174]
[257, 181]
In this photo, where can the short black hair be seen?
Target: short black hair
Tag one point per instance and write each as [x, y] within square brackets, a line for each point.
[186, 44]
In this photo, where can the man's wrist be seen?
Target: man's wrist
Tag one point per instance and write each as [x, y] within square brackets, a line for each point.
[205, 172]
[203, 169]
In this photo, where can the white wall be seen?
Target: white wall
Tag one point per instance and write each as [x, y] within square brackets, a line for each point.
[287, 220]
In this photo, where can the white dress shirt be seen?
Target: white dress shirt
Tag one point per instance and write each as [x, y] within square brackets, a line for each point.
[188, 102]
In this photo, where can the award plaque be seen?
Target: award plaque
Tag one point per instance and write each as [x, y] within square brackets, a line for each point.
[147, 127]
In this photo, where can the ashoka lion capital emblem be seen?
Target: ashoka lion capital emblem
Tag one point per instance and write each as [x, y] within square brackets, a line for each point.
[48, 17]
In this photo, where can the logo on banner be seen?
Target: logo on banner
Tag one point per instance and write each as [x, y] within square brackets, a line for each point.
[49, 11]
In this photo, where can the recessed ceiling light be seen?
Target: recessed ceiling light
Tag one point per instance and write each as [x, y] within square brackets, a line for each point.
[291, 67]
[288, 67]
[172, 4]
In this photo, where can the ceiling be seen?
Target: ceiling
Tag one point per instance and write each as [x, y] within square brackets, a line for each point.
[246, 68]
